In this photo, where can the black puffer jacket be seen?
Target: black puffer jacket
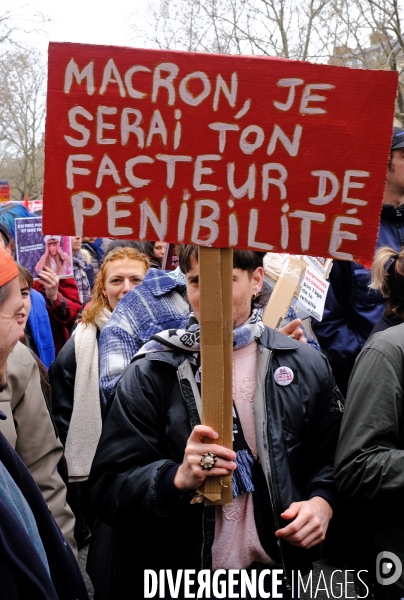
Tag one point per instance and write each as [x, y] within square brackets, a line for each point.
[145, 435]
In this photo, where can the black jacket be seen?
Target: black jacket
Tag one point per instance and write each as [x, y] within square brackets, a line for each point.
[385, 322]
[61, 376]
[143, 441]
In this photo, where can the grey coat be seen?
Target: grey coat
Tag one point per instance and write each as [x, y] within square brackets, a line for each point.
[369, 464]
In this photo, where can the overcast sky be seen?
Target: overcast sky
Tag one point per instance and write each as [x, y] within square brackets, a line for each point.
[86, 21]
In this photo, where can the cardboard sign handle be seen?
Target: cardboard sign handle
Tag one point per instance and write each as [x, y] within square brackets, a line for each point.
[216, 321]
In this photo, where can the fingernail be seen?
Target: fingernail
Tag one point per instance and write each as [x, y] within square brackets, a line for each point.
[216, 435]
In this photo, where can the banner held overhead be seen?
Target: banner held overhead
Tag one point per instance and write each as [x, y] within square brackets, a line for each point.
[215, 150]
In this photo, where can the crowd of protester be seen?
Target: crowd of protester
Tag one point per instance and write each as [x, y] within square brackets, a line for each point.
[100, 400]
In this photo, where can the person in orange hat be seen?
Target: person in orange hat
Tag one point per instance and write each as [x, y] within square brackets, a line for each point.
[10, 306]
[28, 426]
[35, 559]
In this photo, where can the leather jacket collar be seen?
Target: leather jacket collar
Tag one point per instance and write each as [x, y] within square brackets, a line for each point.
[271, 339]
[391, 213]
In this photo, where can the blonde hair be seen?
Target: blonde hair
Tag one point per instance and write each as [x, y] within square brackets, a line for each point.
[98, 300]
[389, 278]
[60, 263]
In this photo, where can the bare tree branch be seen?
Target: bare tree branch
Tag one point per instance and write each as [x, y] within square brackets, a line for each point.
[364, 34]
[22, 112]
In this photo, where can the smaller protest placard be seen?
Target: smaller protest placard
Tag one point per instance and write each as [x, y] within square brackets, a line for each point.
[36, 251]
[321, 265]
[170, 258]
[298, 282]
[313, 292]
[4, 190]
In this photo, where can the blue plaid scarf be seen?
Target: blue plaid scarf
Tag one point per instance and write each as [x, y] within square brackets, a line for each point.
[187, 339]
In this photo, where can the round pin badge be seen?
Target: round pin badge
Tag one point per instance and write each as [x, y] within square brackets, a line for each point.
[283, 376]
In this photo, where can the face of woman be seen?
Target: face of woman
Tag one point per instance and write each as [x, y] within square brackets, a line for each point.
[76, 244]
[120, 277]
[22, 315]
[52, 247]
[159, 249]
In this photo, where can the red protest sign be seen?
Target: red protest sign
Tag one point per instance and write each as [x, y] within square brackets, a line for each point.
[4, 190]
[216, 150]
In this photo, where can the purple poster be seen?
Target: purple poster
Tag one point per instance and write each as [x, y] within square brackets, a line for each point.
[35, 251]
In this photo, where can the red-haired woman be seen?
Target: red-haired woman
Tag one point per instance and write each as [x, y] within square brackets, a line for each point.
[75, 375]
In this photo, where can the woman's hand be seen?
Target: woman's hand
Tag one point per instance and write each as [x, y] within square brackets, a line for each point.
[190, 474]
[50, 282]
[310, 522]
[293, 329]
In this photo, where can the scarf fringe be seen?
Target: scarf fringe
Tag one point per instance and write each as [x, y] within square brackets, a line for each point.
[242, 476]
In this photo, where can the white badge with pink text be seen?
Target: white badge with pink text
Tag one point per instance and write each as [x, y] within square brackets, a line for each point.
[284, 376]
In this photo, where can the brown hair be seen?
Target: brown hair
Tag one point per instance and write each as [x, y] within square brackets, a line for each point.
[25, 275]
[247, 260]
[98, 300]
[389, 279]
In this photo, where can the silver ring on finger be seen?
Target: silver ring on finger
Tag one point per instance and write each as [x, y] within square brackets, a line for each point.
[208, 461]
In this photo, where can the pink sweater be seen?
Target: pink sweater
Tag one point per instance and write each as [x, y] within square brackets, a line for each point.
[236, 543]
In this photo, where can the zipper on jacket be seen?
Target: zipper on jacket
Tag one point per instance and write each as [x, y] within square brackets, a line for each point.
[399, 231]
[203, 537]
[203, 512]
[271, 496]
[270, 487]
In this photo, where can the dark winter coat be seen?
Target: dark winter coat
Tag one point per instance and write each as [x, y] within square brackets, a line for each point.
[143, 442]
[385, 322]
[369, 463]
[22, 573]
[351, 308]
